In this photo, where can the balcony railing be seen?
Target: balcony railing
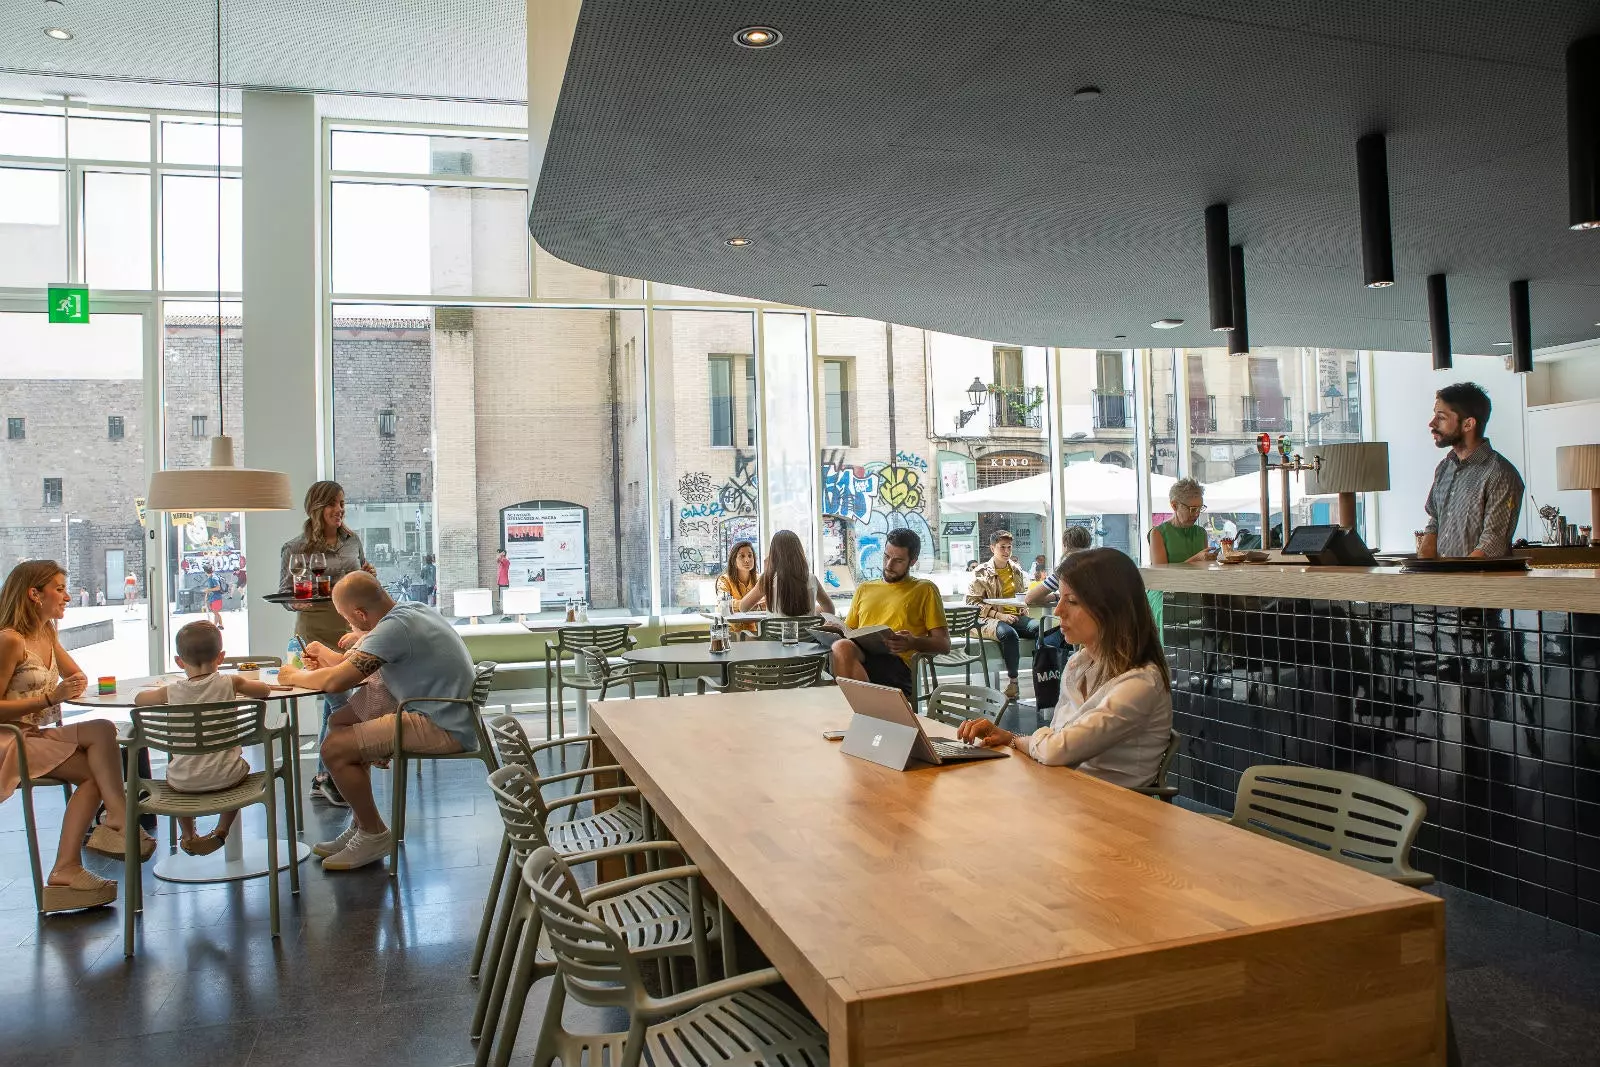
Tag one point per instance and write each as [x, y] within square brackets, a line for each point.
[1202, 414]
[1020, 409]
[1113, 410]
[1266, 414]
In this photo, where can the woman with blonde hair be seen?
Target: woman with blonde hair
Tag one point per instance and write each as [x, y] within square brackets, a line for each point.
[787, 586]
[320, 623]
[36, 677]
[1114, 716]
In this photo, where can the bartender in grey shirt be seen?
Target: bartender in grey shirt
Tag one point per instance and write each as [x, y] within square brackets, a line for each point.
[1477, 494]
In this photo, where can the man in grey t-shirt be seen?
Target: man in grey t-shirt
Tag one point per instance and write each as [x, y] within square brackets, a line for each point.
[417, 655]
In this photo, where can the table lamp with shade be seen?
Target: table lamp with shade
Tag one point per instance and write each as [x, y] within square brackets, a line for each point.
[1578, 467]
[1348, 469]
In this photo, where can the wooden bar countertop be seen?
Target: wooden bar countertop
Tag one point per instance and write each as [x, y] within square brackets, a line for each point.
[1540, 589]
[1006, 912]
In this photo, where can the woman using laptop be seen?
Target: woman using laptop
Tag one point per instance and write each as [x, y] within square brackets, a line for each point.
[1115, 711]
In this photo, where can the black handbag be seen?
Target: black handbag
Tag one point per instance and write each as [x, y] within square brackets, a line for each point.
[1050, 655]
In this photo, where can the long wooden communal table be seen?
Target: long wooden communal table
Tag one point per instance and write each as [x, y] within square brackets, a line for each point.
[1002, 912]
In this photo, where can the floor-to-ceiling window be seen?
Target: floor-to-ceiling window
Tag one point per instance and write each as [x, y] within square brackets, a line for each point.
[124, 202]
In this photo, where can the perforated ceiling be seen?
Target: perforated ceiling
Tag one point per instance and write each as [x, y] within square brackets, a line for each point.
[925, 161]
[472, 50]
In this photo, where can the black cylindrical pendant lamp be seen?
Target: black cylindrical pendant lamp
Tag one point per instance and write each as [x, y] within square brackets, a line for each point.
[1521, 329]
[1377, 242]
[1218, 282]
[1439, 322]
[1239, 339]
[1583, 134]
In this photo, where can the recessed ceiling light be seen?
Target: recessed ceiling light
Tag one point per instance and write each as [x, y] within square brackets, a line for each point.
[1167, 324]
[738, 242]
[1590, 225]
[757, 37]
[1502, 344]
[1379, 285]
[58, 33]
[1087, 92]
[1120, 337]
[819, 285]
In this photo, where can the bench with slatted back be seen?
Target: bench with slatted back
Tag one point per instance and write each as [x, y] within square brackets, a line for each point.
[1357, 821]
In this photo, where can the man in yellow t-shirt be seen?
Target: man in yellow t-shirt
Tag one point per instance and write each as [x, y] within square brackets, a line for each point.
[909, 606]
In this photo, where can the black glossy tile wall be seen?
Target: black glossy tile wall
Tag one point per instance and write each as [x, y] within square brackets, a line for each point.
[1491, 717]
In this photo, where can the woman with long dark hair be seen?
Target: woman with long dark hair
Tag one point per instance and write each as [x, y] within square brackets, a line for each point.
[1115, 712]
[787, 586]
[321, 624]
[36, 677]
[738, 578]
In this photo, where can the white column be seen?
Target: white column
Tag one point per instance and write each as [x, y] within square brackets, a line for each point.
[283, 397]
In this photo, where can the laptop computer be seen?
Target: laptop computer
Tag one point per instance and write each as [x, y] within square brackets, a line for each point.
[884, 730]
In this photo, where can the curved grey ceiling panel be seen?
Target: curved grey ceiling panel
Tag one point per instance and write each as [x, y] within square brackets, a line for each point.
[927, 163]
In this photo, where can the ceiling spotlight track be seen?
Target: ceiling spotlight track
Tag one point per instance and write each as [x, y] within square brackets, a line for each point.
[1521, 328]
[1239, 339]
[1377, 240]
[1583, 134]
[1218, 280]
[1439, 322]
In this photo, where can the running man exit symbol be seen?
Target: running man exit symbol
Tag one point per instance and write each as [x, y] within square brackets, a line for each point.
[68, 303]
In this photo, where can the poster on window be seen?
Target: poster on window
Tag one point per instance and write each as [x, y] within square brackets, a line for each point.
[547, 544]
[952, 478]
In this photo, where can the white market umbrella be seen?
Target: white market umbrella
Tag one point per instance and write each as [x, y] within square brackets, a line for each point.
[1025, 496]
[1242, 492]
[1090, 489]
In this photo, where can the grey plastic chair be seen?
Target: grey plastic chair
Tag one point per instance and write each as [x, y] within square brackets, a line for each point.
[771, 627]
[729, 1022]
[594, 670]
[30, 824]
[653, 913]
[625, 823]
[966, 648]
[1355, 820]
[482, 682]
[295, 796]
[757, 677]
[954, 704]
[1158, 786]
[612, 640]
[194, 730]
[698, 635]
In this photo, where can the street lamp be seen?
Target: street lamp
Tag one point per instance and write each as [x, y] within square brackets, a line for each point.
[976, 392]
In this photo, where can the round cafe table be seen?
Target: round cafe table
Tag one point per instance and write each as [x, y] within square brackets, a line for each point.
[238, 859]
[700, 655]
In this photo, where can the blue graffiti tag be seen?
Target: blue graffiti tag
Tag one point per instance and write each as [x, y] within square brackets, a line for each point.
[695, 511]
[906, 459]
[847, 491]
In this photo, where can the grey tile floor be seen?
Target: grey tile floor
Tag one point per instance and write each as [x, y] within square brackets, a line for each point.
[372, 970]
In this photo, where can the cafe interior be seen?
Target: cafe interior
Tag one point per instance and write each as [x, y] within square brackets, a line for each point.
[1281, 322]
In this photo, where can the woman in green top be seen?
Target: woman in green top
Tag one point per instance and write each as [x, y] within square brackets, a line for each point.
[1180, 539]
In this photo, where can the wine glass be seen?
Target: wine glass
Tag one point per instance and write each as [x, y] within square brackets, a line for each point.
[319, 563]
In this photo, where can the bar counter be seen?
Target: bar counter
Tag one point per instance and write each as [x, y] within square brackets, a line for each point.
[1479, 693]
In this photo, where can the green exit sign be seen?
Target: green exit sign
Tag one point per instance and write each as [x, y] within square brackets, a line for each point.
[69, 303]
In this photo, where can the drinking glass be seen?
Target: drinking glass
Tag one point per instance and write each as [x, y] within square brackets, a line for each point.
[319, 570]
[300, 571]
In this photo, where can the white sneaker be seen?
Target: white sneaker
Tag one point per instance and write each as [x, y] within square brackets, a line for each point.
[325, 849]
[364, 848]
